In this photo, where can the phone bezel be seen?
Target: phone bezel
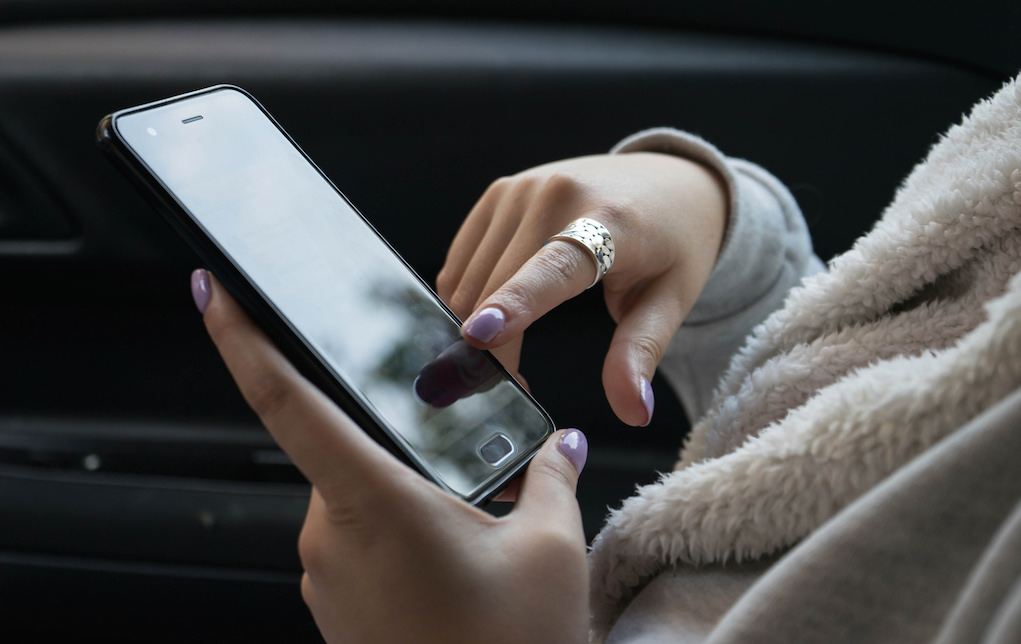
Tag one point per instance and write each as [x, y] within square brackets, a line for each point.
[266, 317]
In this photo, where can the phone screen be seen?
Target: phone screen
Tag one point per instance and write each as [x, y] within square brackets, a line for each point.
[349, 298]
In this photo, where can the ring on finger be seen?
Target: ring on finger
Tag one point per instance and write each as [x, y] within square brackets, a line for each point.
[592, 236]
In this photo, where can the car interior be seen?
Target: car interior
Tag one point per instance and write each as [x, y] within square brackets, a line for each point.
[140, 499]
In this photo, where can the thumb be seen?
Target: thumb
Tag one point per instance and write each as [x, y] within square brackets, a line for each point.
[641, 339]
[549, 485]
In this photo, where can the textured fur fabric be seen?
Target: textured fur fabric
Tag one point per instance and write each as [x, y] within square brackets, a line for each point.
[910, 334]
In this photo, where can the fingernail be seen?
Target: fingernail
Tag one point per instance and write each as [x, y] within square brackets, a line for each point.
[648, 399]
[574, 446]
[201, 290]
[484, 325]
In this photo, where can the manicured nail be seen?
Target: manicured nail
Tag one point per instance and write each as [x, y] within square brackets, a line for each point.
[648, 399]
[484, 325]
[201, 289]
[574, 446]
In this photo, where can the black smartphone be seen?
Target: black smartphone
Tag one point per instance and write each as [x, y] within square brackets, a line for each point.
[327, 288]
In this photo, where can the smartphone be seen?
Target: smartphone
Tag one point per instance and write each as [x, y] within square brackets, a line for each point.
[322, 283]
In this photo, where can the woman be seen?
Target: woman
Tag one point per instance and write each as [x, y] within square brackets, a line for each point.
[819, 497]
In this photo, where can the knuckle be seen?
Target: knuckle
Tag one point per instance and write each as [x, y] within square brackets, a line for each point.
[561, 186]
[307, 590]
[461, 303]
[316, 550]
[516, 296]
[561, 262]
[500, 185]
[445, 284]
[219, 326]
[268, 394]
[349, 515]
[562, 473]
[648, 348]
[554, 195]
[311, 551]
[499, 189]
[612, 214]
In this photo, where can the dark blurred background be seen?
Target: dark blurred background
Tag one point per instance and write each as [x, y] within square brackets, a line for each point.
[139, 498]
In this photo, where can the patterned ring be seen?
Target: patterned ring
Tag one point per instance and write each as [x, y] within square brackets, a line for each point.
[593, 237]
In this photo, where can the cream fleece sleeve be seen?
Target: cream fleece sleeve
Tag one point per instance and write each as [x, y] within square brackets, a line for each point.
[766, 251]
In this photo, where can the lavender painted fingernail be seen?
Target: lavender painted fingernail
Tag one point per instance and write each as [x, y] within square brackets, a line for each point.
[201, 289]
[648, 399]
[484, 325]
[574, 446]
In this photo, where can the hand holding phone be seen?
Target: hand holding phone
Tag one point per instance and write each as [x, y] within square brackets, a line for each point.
[326, 288]
[391, 558]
